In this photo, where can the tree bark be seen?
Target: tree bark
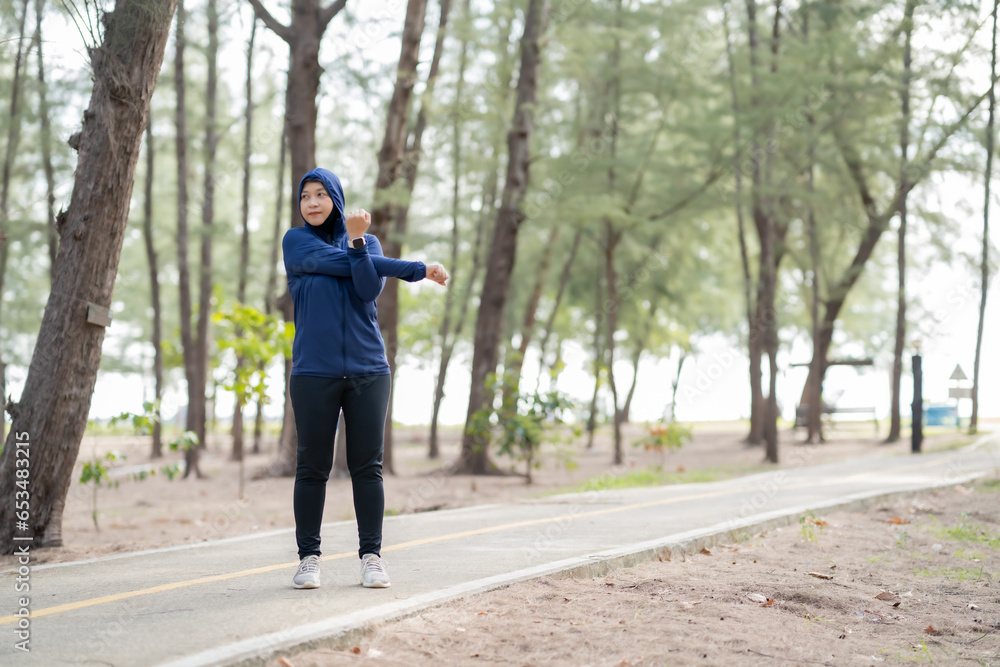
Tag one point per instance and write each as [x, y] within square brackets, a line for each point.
[676, 383]
[610, 312]
[236, 454]
[489, 194]
[984, 262]
[500, 265]
[12, 137]
[598, 358]
[203, 367]
[758, 323]
[512, 369]
[387, 221]
[543, 345]
[154, 289]
[192, 418]
[409, 168]
[46, 141]
[309, 21]
[271, 290]
[904, 148]
[814, 420]
[51, 416]
[755, 437]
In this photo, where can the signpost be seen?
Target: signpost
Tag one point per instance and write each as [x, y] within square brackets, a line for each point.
[958, 392]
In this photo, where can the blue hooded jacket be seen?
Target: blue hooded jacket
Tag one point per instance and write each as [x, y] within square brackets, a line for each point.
[333, 288]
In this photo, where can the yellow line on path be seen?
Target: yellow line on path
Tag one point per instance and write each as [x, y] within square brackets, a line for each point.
[105, 599]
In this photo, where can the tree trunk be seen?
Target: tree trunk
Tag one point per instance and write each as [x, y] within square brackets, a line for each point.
[500, 265]
[904, 148]
[309, 21]
[512, 369]
[399, 212]
[270, 291]
[984, 262]
[756, 327]
[202, 365]
[241, 288]
[192, 418]
[763, 330]
[543, 346]
[386, 223]
[8, 163]
[627, 408]
[674, 384]
[52, 414]
[814, 418]
[46, 141]
[450, 338]
[610, 311]
[433, 448]
[598, 358]
[613, 237]
[287, 455]
[154, 288]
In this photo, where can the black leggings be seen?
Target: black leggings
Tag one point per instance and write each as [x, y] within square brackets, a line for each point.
[317, 402]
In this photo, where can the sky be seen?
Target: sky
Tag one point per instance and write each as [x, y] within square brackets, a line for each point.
[714, 383]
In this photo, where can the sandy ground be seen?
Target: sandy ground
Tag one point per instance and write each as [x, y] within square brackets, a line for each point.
[912, 581]
[136, 514]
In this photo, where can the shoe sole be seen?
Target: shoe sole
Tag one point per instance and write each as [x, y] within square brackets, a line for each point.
[376, 585]
[301, 586]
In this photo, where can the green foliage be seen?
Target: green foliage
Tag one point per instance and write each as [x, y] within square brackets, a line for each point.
[185, 441]
[811, 527]
[657, 476]
[256, 338]
[171, 471]
[142, 424]
[522, 424]
[956, 573]
[96, 473]
[966, 531]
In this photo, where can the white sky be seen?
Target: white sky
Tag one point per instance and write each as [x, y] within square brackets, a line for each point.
[714, 385]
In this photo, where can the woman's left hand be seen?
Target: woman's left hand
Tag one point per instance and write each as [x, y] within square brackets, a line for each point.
[357, 222]
[438, 274]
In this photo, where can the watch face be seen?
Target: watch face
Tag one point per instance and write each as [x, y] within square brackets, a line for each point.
[358, 244]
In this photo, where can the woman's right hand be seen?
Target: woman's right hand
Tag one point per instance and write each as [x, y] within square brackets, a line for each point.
[438, 274]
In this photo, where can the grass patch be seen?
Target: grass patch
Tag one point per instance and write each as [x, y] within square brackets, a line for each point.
[989, 486]
[656, 476]
[951, 444]
[956, 573]
[965, 531]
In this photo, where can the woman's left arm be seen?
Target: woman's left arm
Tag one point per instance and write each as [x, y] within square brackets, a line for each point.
[367, 282]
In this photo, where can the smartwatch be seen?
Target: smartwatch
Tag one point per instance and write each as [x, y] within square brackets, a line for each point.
[358, 243]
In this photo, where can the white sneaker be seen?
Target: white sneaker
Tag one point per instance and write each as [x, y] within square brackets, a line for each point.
[307, 575]
[373, 572]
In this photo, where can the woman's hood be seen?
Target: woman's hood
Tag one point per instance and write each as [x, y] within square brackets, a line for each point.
[333, 226]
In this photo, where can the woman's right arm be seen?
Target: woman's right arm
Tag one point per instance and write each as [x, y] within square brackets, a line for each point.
[304, 253]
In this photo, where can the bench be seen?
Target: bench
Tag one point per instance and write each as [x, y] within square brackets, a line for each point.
[802, 414]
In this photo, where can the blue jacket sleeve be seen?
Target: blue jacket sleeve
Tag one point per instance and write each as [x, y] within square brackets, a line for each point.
[368, 264]
[304, 253]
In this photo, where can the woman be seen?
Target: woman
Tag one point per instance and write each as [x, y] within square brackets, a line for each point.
[335, 273]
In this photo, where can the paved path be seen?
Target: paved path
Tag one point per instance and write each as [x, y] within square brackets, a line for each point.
[231, 601]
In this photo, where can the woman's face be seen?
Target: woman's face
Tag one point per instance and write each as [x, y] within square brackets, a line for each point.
[315, 204]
